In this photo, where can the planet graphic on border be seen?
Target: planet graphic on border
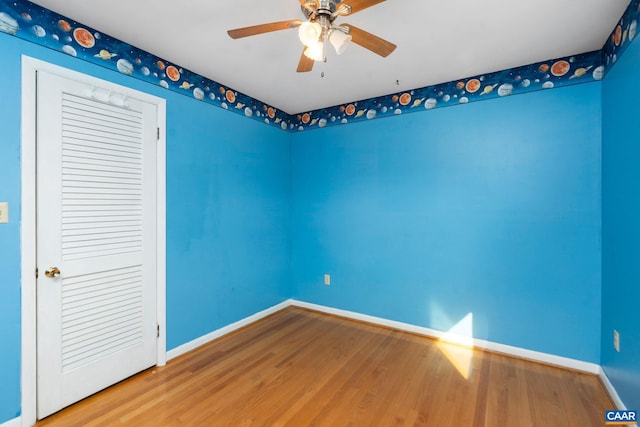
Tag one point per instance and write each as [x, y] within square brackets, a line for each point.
[473, 85]
[488, 89]
[633, 28]
[617, 36]
[322, 123]
[306, 118]
[350, 109]
[198, 94]
[271, 112]
[38, 31]
[430, 103]
[560, 68]
[84, 38]
[598, 73]
[547, 85]
[8, 24]
[505, 89]
[231, 97]
[371, 114]
[105, 54]
[248, 112]
[124, 66]
[69, 50]
[173, 73]
[64, 25]
[579, 72]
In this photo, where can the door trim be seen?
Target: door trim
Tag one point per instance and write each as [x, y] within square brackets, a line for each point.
[28, 225]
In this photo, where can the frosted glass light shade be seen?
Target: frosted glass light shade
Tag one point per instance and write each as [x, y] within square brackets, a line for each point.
[340, 41]
[315, 51]
[309, 33]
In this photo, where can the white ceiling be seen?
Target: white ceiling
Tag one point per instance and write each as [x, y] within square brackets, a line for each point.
[438, 41]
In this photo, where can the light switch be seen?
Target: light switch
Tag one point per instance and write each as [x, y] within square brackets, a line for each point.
[4, 212]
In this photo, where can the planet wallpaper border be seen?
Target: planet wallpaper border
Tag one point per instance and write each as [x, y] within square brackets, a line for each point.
[36, 24]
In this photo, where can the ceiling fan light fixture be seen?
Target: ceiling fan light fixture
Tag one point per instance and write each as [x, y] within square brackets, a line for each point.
[309, 33]
[315, 51]
[339, 40]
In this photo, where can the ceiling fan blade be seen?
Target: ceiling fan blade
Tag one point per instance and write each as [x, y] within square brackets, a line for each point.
[369, 41]
[305, 64]
[358, 5]
[263, 28]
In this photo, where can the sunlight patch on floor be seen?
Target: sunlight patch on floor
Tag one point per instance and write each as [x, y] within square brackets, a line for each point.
[457, 345]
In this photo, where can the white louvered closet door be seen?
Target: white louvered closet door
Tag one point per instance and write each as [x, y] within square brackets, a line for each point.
[96, 218]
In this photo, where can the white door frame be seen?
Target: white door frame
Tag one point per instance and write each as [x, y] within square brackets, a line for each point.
[28, 225]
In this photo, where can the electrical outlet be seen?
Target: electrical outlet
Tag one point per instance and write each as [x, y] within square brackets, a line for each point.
[4, 212]
[327, 279]
[616, 340]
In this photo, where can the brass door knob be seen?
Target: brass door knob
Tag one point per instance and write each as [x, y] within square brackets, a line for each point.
[52, 272]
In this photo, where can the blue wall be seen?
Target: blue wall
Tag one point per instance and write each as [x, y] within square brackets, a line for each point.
[10, 233]
[228, 193]
[491, 209]
[621, 226]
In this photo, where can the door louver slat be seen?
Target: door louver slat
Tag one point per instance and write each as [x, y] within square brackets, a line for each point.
[97, 138]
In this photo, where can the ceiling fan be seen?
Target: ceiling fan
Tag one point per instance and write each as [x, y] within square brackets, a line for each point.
[319, 30]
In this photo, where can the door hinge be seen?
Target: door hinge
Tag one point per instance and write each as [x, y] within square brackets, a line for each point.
[158, 134]
[36, 273]
[157, 331]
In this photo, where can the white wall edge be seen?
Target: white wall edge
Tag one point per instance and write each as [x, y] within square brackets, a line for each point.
[611, 390]
[192, 345]
[16, 422]
[522, 353]
[28, 243]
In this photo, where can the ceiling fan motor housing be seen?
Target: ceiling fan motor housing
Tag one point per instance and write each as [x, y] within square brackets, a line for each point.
[313, 9]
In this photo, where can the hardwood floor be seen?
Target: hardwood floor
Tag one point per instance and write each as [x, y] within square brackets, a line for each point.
[302, 368]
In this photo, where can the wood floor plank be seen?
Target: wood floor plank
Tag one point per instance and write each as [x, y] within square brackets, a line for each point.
[303, 368]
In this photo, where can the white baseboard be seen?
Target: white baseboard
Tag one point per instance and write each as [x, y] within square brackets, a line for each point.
[16, 422]
[611, 390]
[536, 356]
[191, 345]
